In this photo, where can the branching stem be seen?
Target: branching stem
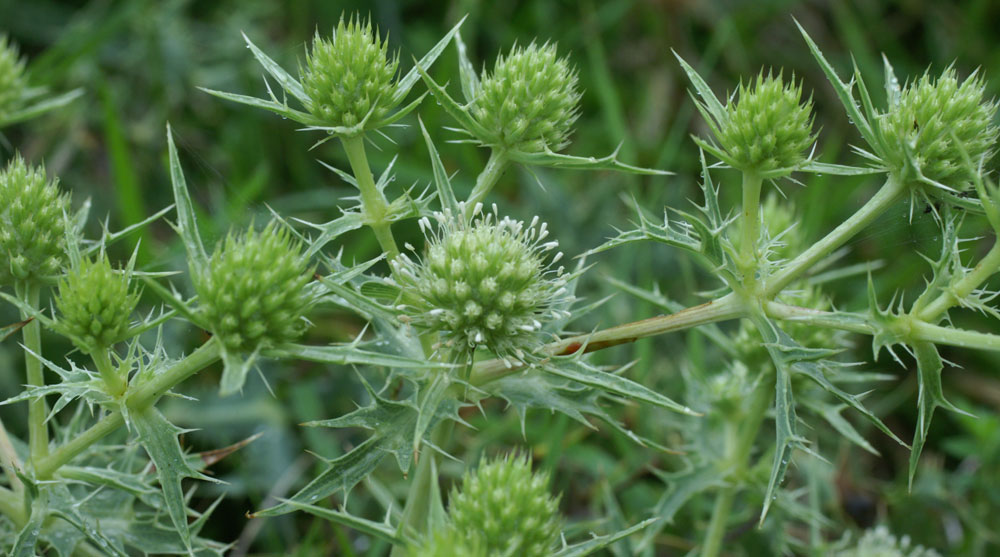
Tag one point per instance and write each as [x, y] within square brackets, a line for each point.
[986, 268]
[495, 167]
[373, 202]
[112, 377]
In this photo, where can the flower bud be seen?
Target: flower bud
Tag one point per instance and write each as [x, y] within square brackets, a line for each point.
[350, 76]
[508, 508]
[934, 121]
[767, 127]
[482, 284]
[95, 304]
[32, 225]
[253, 293]
[12, 82]
[529, 102]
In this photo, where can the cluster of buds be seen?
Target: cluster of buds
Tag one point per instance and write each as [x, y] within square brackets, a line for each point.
[12, 82]
[349, 78]
[529, 102]
[483, 284]
[95, 304]
[934, 125]
[879, 542]
[767, 129]
[254, 292]
[33, 223]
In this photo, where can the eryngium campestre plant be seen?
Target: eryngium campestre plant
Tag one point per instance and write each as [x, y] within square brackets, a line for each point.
[254, 294]
[482, 284]
[349, 78]
[508, 508]
[768, 128]
[529, 102]
[12, 82]
[33, 229]
[934, 125]
[95, 304]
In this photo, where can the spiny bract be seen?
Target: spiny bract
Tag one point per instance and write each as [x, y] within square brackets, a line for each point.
[933, 122]
[254, 293]
[483, 284]
[33, 229]
[529, 102]
[508, 508]
[12, 82]
[95, 304]
[767, 128]
[350, 76]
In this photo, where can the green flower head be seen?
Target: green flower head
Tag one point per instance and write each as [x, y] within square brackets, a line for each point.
[507, 509]
[529, 102]
[95, 304]
[483, 284]
[350, 78]
[448, 542]
[934, 125]
[33, 228]
[879, 542]
[12, 81]
[254, 293]
[767, 129]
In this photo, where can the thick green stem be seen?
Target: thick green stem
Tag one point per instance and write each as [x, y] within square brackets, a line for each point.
[38, 432]
[373, 202]
[143, 397]
[963, 287]
[12, 506]
[9, 462]
[750, 226]
[495, 167]
[882, 200]
[113, 379]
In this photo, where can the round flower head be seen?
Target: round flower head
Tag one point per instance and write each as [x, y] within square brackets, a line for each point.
[448, 542]
[32, 226]
[95, 304]
[12, 82]
[254, 293]
[529, 102]
[767, 128]
[483, 284]
[350, 77]
[879, 542]
[934, 125]
[508, 508]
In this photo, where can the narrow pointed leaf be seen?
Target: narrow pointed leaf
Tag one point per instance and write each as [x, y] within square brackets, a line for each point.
[287, 82]
[412, 76]
[447, 196]
[187, 223]
[708, 98]
[614, 384]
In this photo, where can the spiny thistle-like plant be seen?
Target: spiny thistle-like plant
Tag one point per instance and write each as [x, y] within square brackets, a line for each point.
[879, 542]
[12, 81]
[529, 101]
[95, 304]
[349, 78]
[483, 284]
[253, 294]
[33, 223]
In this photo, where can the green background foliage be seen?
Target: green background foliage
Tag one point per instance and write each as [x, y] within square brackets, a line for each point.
[140, 63]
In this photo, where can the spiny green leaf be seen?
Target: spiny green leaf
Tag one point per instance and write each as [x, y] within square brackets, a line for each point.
[708, 98]
[287, 82]
[581, 372]
[558, 160]
[600, 542]
[380, 530]
[410, 79]
[187, 223]
[445, 194]
[467, 72]
[930, 395]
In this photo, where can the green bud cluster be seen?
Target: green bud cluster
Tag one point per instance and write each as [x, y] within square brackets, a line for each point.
[447, 542]
[95, 304]
[508, 508]
[12, 82]
[935, 124]
[879, 542]
[767, 127]
[350, 77]
[529, 102]
[254, 293]
[483, 284]
[32, 225]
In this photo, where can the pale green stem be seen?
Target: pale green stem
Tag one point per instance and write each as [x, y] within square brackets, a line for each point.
[954, 337]
[963, 287]
[12, 506]
[143, 397]
[9, 462]
[882, 200]
[750, 226]
[725, 308]
[416, 510]
[495, 167]
[112, 377]
[373, 202]
[38, 433]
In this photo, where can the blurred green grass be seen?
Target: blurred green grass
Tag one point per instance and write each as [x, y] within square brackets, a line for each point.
[141, 61]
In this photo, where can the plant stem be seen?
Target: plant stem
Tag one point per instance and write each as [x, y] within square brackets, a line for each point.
[38, 433]
[495, 167]
[143, 397]
[9, 462]
[751, 226]
[373, 201]
[12, 506]
[882, 200]
[416, 511]
[963, 287]
[722, 309]
[111, 376]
